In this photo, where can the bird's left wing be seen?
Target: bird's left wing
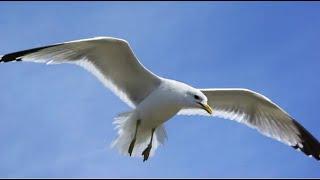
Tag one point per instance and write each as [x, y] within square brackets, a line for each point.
[259, 112]
[111, 60]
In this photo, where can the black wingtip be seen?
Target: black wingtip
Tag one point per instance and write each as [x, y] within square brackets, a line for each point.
[9, 57]
[309, 145]
[16, 56]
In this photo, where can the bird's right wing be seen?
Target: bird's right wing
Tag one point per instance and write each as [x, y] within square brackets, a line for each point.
[259, 112]
[111, 60]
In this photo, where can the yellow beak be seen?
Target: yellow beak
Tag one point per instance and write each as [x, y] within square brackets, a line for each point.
[206, 107]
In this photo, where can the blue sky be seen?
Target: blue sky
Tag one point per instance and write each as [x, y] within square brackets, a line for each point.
[56, 121]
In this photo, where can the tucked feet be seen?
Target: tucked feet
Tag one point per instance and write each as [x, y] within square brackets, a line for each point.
[146, 152]
[131, 146]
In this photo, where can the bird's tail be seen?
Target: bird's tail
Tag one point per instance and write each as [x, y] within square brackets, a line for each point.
[126, 126]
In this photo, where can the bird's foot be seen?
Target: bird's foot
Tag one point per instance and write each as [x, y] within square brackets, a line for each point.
[146, 152]
[131, 146]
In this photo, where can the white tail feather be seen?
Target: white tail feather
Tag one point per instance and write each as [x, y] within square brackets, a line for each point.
[126, 125]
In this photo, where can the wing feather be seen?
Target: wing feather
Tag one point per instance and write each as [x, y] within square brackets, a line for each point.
[111, 60]
[259, 112]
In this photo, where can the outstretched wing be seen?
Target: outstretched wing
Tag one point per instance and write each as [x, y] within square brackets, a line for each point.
[258, 112]
[111, 60]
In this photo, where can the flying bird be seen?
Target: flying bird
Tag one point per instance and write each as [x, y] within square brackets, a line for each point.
[154, 99]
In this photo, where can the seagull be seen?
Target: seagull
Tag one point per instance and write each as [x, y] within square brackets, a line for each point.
[154, 99]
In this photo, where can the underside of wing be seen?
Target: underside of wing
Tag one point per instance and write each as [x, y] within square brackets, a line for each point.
[259, 112]
[111, 60]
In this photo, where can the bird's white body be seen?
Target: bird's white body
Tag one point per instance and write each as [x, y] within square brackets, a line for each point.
[157, 108]
[163, 103]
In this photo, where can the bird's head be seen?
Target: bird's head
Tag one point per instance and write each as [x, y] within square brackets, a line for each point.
[196, 99]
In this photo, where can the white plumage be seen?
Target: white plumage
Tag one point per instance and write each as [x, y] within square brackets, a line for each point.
[253, 110]
[155, 99]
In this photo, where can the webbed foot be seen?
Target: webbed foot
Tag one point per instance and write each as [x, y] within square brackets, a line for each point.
[131, 146]
[146, 152]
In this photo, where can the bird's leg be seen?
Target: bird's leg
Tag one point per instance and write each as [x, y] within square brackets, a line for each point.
[134, 138]
[146, 152]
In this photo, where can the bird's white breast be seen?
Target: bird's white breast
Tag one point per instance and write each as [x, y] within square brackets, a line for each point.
[159, 106]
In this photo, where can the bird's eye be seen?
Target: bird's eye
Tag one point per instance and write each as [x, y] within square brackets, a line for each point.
[196, 97]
